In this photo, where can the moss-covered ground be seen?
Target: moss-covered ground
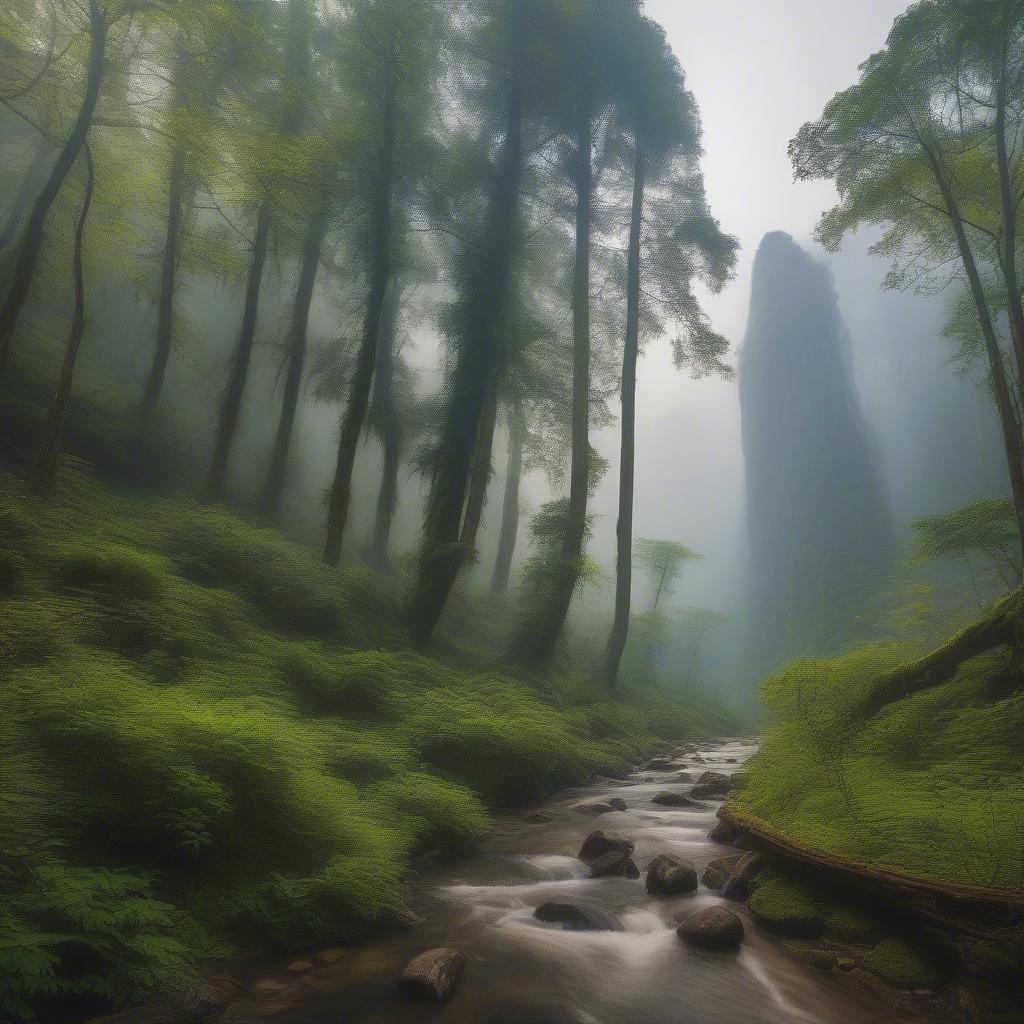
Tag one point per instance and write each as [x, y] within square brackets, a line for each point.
[932, 785]
[211, 744]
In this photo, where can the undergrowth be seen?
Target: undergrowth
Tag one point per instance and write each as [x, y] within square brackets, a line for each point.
[212, 744]
[932, 785]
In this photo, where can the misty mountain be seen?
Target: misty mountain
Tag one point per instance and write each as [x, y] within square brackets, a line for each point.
[819, 526]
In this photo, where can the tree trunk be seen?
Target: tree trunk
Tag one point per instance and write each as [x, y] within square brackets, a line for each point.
[1004, 400]
[32, 238]
[231, 406]
[510, 505]
[486, 298]
[389, 427]
[26, 190]
[277, 474]
[1015, 309]
[540, 633]
[46, 462]
[362, 377]
[481, 478]
[630, 355]
[168, 281]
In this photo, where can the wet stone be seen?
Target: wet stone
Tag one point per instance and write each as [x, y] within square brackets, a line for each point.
[577, 917]
[713, 929]
[599, 842]
[670, 876]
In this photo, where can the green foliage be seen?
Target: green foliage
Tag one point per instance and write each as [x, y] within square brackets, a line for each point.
[930, 786]
[787, 907]
[902, 965]
[193, 749]
[663, 561]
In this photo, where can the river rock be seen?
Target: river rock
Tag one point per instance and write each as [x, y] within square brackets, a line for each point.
[669, 799]
[617, 803]
[660, 764]
[538, 818]
[595, 808]
[577, 917]
[717, 873]
[615, 862]
[724, 832]
[737, 886]
[717, 778]
[682, 777]
[712, 786]
[599, 842]
[713, 928]
[670, 876]
[433, 975]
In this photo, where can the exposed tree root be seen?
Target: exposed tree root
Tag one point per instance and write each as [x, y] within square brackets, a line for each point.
[980, 911]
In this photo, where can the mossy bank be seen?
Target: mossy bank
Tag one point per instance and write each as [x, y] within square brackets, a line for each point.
[213, 745]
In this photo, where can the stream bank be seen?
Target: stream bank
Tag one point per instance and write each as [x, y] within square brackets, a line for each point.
[523, 971]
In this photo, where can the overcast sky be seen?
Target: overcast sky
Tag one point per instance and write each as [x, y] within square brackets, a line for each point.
[759, 70]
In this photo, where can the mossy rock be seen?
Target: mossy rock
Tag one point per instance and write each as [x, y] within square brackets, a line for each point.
[902, 965]
[785, 907]
[845, 923]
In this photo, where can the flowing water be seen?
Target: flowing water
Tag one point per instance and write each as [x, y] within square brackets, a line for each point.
[520, 971]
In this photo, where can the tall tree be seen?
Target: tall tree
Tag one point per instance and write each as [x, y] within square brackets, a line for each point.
[311, 251]
[289, 107]
[209, 45]
[585, 43]
[46, 460]
[510, 503]
[395, 51]
[484, 283]
[31, 244]
[903, 149]
[386, 419]
[682, 242]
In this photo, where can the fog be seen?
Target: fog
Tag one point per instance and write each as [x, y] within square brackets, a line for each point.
[932, 435]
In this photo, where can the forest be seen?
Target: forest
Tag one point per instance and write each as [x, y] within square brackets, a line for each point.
[367, 416]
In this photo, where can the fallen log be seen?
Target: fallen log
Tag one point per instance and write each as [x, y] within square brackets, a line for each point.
[923, 891]
[1002, 624]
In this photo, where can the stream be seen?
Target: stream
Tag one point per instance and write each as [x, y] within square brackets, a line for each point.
[520, 971]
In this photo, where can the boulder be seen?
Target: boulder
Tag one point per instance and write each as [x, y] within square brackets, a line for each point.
[669, 799]
[577, 917]
[682, 777]
[538, 818]
[615, 862]
[714, 778]
[713, 928]
[710, 790]
[717, 873]
[617, 803]
[724, 832]
[670, 876]
[599, 842]
[737, 886]
[433, 975]
[594, 809]
[660, 764]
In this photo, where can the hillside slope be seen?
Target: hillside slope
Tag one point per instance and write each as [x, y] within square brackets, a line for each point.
[212, 744]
